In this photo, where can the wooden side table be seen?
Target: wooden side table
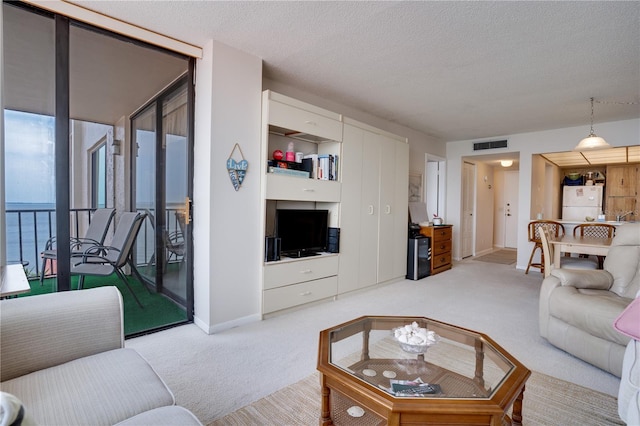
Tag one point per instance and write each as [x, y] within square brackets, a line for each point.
[440, 246]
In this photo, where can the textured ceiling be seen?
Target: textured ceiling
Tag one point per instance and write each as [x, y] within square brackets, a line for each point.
[453, 70]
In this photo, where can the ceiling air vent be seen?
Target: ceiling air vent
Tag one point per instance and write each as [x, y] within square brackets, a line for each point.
[478, 146]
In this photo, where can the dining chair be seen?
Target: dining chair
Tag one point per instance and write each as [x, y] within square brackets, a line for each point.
[556, 229]
[595, 230]
[565, 262]
[105, 260]
[95, 235]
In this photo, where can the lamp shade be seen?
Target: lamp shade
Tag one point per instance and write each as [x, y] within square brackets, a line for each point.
[592, 143]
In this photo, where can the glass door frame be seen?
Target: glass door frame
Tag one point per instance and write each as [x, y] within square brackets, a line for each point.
[160, 180]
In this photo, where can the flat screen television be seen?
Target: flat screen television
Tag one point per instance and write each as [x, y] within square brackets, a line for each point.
[302, 232]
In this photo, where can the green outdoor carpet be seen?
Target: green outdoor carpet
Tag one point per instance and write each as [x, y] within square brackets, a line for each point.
[158, 310]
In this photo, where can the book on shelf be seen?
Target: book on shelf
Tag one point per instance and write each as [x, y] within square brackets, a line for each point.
[327, 167]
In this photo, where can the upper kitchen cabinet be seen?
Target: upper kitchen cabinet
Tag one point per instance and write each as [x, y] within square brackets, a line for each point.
[622, 192]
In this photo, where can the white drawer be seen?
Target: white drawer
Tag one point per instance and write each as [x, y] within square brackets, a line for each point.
[299, 120]
[298, 294]
[293, 188]
[284, 273]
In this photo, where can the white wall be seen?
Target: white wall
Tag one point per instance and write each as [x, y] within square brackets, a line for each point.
[618, 133]
[226, 223]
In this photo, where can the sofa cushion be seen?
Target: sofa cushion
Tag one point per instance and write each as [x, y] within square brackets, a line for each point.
[623, 264]
[163, 416]
[590, 310]
[101, 389]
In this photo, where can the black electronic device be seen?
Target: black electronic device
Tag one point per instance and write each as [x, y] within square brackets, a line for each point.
[419, 257]
[333, 242]
[271, 249]
[302, 232]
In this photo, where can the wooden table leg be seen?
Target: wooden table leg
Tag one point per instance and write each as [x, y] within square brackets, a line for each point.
[325, 410]
[517, 409]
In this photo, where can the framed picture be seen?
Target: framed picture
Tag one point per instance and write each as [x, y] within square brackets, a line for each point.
[415, 187]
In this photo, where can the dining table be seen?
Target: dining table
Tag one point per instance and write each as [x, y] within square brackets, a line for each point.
[579, 245]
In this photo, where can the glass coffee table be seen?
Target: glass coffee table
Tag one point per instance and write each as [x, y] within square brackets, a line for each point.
[367, 378]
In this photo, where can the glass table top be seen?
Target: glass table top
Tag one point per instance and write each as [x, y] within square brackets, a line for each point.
[461, 364]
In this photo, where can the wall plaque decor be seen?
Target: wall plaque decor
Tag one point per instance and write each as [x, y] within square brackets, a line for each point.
[237, 167]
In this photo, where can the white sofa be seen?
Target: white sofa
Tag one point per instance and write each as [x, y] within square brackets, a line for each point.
[577, 308]
[62, 355]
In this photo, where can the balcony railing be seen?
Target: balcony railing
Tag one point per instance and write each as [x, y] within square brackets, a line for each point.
[29, 229]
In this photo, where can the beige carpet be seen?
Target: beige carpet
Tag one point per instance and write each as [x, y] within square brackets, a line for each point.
[547, 402]
[505, 257]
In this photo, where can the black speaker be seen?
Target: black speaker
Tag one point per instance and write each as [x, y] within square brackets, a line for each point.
[333, 242]
[271, 249]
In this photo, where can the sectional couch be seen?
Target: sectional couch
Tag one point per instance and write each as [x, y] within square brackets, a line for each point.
[62, 357]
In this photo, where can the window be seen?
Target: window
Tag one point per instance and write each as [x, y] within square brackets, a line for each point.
[99, 176]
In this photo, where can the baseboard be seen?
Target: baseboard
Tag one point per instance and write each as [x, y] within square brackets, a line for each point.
[217, 328]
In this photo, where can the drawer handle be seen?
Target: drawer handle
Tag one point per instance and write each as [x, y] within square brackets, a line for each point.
[305, 293]
[441, 247]
[311, 123]
[306, 271]
[309, 190]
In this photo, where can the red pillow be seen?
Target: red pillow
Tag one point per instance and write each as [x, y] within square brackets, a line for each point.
[628, 322]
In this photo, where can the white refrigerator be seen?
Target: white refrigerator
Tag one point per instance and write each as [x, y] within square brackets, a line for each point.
[579, 202]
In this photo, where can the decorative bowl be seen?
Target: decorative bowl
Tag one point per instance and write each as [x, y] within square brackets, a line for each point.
[414, 339]
[573, 176]
[415, 349]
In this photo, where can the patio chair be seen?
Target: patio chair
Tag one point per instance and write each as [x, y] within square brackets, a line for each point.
[105, 260]
[95, 235]
[173, 241]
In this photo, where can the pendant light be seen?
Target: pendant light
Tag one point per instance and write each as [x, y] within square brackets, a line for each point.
[592, 142]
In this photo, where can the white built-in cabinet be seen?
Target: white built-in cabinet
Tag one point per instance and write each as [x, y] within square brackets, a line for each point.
[374, 217]
[368, 202]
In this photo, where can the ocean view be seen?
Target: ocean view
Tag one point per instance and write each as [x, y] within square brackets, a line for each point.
[29, 225]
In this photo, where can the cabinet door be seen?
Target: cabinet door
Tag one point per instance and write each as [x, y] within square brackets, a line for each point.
[387, 208]
[622, 181]
[370, 209]
[394, 195]
[350, 209]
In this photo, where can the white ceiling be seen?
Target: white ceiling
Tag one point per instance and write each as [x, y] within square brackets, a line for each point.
[453, 70]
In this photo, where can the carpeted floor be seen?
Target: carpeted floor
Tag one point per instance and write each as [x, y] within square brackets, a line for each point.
[214, 375]
[547, 402]
[505, 257]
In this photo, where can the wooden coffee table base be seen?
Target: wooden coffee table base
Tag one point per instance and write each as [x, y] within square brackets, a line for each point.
[479, 383]
[335, 404]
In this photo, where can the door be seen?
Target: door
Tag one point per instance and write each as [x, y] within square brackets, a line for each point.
[468, 197]
[511, 209]
[161, 189]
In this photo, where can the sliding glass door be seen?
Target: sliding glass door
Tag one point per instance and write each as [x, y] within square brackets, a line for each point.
[160, 133]
[70, 91]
